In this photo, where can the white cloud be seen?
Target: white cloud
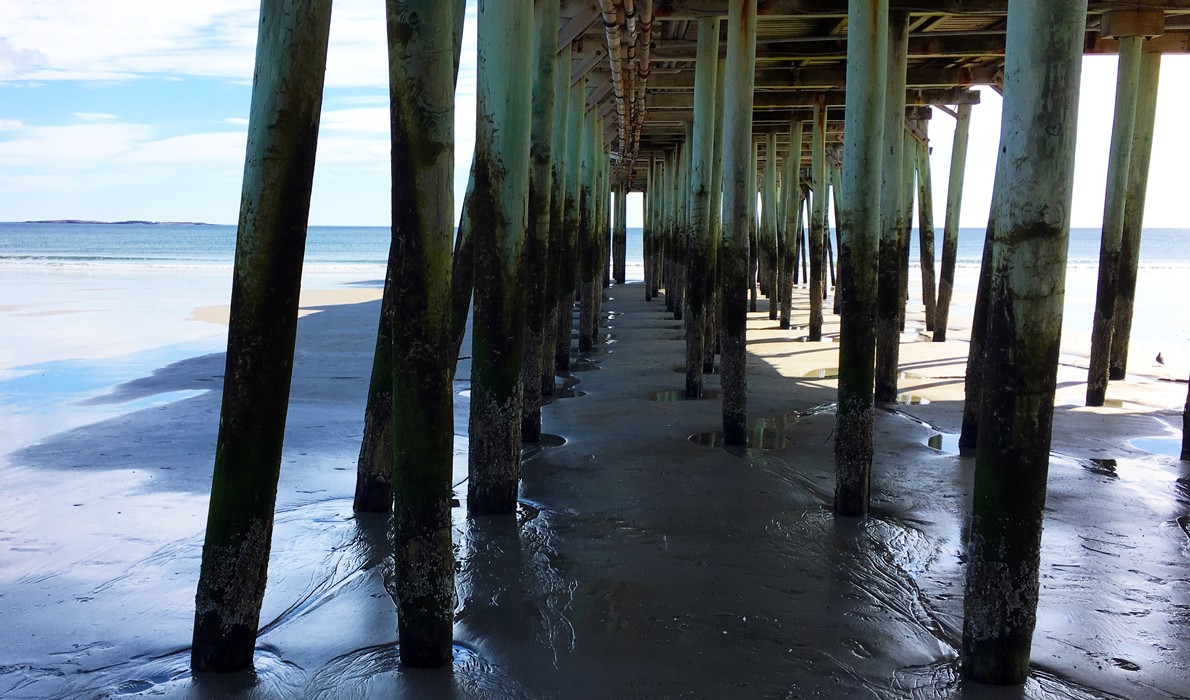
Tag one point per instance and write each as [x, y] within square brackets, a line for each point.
[238, 121]
[189, 150]
[71, 146]
[11, 125]
[95, 116]
[371, 120]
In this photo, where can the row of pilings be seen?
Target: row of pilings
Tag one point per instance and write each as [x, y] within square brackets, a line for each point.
[534, 238]
[1018, 317]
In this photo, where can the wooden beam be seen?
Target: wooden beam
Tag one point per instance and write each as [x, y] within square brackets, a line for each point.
[578, 24]
[826, 78]
[834, 98]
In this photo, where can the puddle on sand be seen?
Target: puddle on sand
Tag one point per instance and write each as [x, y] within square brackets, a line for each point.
[680, 395]
[823, 373]
[583, 365]
[947, 443]
[1171, 446]
[912, 400]
[771, 433]
[824, 339]
[546, 441]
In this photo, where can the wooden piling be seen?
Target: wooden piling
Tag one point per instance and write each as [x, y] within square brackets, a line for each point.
[270, 244]
[1134, 209]
[867, 75]
[753, 231]
[1032, 224]
[738, 160]
[793, 219]
[702, 240]
[422, 121]
[905, 233]
[768, 229]
[925, 226]
[537, 234]
[647, 228]
[504, 107]
[620, 237]
[976, 372]
[890, 298]
[568, 265]
[557, 234]
[1127, 88]
[836, 172]
[588, 234]
[950, 231]
[818, 218]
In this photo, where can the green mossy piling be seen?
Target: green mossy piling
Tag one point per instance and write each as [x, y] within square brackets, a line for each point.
[867, 75]
[270, 245]
[739, 172]
[1032, 224]
[1127, 89]
[890, 299]
[422, 127]
[950, 231]
[504, 107]
[1134, 209]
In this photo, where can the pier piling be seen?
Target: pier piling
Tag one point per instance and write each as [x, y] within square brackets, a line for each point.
[867, 77]
[1032, 225]
[262, 328]
[504, 106]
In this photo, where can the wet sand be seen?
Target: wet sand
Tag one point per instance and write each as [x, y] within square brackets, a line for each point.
[640, 564]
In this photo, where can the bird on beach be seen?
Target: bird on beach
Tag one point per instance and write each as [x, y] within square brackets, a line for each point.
[1160, 359]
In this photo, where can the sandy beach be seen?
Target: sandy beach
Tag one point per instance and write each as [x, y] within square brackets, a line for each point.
[641, 564]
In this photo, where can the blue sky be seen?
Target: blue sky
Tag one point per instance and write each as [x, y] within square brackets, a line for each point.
[132, 109]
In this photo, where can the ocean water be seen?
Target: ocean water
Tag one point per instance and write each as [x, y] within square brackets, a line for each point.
[347, 246]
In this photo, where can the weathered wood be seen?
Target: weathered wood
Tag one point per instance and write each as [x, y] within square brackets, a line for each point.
[738, 169]
[620, 238]
[270, 244]
[950, 231]
[462, 270]
[1134, 209]
[715, 225]
[699, 288]
[753, 232]
[1032, 225]
[793, 221]
[836, 172]
[768, 228]
[373, 484]
[646, 233]
[905, 233]
[553, 290]
[537, 235]
[568, 255]
[504, 108]
[867, 77]
[1127, 88]
[421, 86]
[588, 234]
[925, 228]
[889, 297]
[818, 221]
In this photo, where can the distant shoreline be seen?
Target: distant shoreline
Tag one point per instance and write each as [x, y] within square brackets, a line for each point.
[119, 223]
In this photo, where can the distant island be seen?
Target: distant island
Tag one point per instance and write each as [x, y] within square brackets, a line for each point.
[118, 223]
